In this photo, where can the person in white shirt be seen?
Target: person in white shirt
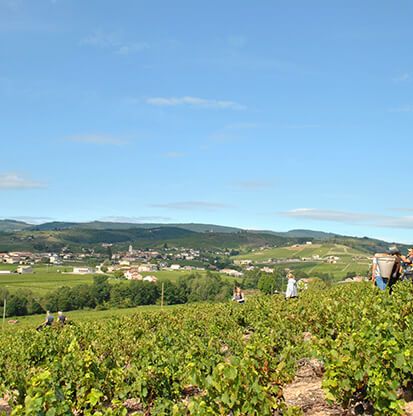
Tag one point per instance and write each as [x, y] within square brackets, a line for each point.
[292, 291]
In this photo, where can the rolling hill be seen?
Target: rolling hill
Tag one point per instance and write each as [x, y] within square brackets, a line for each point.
[105, 225]
[13, 225]
[52, 236]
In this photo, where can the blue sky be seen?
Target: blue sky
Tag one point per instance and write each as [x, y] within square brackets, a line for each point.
[267, 114]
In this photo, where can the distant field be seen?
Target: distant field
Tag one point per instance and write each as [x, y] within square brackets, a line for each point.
[42, 282]
[300, 251]
[48, 278]
[344, 265]
[80, 316]
[338, 270]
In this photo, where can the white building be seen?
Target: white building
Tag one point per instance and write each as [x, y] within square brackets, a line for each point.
[243, 262]
[147, 267]
[151, 279]
[24, 270]
[55, 259]
[175, 267]
[231, 272]
[83, 270]
[133, 274]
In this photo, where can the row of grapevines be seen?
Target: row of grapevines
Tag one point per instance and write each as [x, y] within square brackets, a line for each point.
[216, 359]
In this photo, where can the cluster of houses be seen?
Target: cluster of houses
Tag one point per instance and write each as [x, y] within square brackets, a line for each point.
[139, 255]
[133, 274]
[27, 257]
[18, 257]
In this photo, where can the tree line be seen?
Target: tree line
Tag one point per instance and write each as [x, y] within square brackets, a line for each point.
[104, 295]
[101, 294]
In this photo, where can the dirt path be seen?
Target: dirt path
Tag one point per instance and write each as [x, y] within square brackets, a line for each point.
[4, 407]
[306, 393]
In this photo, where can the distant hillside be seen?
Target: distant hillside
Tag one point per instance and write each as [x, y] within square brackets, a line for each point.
[76, 238]
[12, 225]
[52, 236]
[310, 234]
[104, 225]
[54, 240]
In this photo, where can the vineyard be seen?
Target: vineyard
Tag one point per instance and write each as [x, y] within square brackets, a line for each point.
[218, 359]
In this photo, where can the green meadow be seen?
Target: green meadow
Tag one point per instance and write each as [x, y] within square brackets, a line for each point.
[47, 278]
[350, 260]
[299, 251]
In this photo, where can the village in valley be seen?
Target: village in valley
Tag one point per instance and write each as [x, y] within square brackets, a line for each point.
[145, 264]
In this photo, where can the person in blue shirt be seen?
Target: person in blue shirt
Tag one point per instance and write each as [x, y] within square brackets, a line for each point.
[407, 263]
[48, 321]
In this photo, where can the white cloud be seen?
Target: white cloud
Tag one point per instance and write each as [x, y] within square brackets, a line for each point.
[101, 40]
[351, 218]
[194, 102]
[98, 139]
[192, 205]
[32, 220]
[16, 181]
[132, 48]
[114, 42]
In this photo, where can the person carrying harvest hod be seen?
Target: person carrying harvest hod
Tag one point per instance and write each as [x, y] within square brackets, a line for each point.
[386, 268]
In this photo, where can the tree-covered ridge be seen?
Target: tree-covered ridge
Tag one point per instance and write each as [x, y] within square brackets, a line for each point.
[55, 236]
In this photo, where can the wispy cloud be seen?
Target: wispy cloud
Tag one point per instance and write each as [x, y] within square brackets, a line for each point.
[403, 109]
[97, 139]
[403, 77]
[174, 155]
[32, 220]
[351, 218]
[113, 42]
[253, 185]
[301, 126]
[232, 131]
[17, 181]
[236, 41]
[326, 215]
[402, 209]
[192, 205]
[136, 220]
[194, 102]
[10, 4]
